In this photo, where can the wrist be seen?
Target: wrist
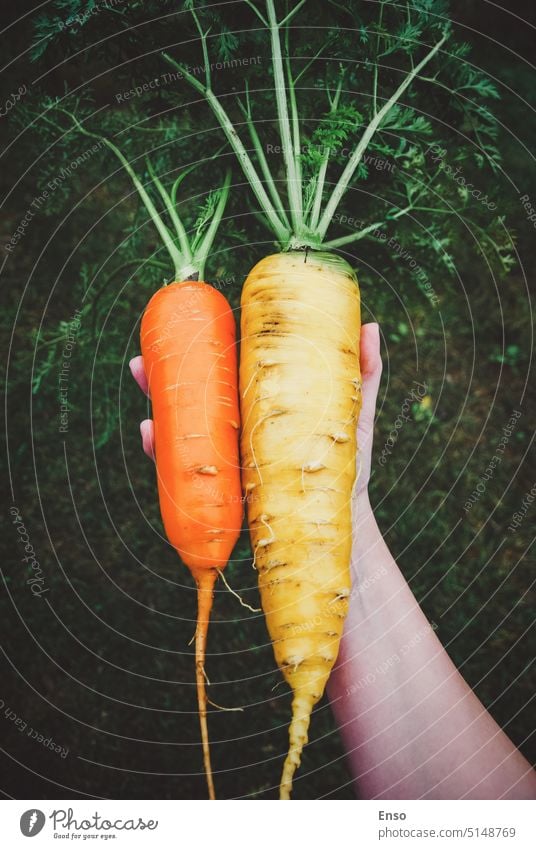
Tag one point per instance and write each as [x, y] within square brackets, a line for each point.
[368, 546]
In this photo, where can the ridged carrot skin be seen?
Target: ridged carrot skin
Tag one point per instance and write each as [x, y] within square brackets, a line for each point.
[300, 395]
[189, 352]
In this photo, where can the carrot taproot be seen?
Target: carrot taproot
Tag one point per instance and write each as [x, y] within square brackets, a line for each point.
[300, 394]
[188, 347]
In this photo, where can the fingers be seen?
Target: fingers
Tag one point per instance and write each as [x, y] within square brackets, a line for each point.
[371, 370]
[138, 373]
[147, 437]
[147, 426]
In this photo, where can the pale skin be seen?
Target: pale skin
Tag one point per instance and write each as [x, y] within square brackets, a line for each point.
[411, 726]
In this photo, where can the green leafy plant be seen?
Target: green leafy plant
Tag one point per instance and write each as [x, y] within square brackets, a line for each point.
[187, 254]
[403, 49]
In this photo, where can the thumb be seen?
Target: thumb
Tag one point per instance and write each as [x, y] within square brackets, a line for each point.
[371, 372]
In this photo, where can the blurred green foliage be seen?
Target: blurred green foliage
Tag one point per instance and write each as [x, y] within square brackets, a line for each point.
[102, 661]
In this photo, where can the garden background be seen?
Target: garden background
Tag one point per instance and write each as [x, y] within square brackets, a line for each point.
[96, 656]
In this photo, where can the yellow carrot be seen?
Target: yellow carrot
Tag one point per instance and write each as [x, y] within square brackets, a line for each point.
[300, 395]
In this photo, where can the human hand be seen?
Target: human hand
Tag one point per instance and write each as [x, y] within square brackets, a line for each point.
[371, 370]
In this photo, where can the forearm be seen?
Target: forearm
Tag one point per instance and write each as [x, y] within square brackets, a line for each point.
[410, 724]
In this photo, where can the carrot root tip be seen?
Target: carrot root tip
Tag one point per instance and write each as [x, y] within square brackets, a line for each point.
[205, 580]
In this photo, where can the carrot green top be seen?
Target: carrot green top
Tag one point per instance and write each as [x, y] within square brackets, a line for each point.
[188, 253]
[310, 212]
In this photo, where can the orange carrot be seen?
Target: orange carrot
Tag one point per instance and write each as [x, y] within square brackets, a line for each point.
[189, 352]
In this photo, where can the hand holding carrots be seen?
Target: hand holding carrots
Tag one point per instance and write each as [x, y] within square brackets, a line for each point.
[371, 366]
[370, 362]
